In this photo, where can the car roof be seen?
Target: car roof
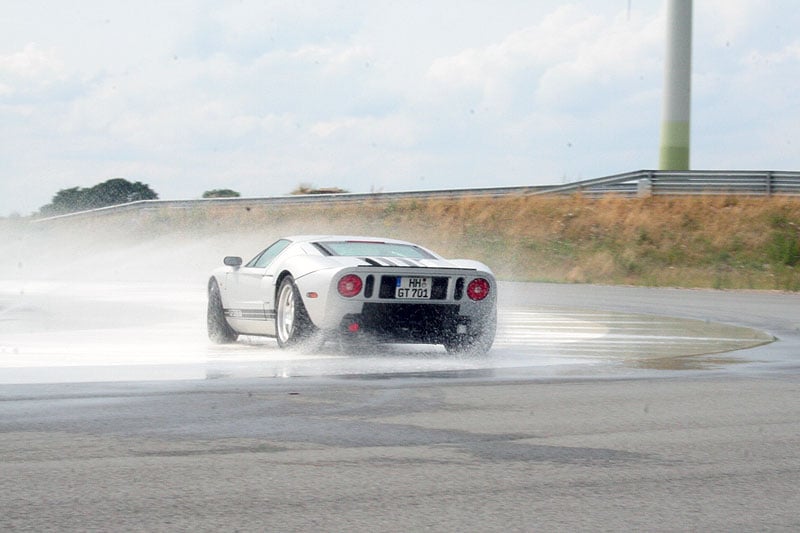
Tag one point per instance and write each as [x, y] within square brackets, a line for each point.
[340, 238]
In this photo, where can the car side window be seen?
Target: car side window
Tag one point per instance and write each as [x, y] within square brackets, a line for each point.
[265, 258]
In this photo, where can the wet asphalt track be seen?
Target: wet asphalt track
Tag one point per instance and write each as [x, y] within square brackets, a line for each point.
[589, 440]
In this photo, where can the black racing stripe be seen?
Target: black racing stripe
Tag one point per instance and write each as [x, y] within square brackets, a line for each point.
[410, 262]
[250, 314]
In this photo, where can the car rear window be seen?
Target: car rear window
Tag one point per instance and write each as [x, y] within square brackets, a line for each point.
[374, 249]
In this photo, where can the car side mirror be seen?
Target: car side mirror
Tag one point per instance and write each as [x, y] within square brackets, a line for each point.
[232, 261]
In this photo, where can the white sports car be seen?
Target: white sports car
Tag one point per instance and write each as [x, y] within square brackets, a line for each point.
[310, 288]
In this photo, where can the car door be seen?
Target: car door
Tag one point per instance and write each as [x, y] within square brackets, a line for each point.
[251, 288]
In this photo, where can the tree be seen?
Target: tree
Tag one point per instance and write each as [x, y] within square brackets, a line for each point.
[221, 193]
[65, 201]
[112, 192]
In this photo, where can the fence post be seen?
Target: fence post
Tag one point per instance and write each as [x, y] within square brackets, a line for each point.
[644, 188]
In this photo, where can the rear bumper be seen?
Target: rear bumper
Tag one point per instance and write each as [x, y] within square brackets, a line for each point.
[412, 323]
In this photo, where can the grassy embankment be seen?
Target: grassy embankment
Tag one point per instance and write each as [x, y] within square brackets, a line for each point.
[708, 241]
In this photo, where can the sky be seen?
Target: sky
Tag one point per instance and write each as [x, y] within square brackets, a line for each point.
[378, 95]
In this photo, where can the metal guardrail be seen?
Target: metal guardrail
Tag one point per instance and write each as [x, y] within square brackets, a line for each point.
[639, 183]
[687, 183]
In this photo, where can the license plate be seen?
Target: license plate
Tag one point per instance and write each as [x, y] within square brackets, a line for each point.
[412, 288]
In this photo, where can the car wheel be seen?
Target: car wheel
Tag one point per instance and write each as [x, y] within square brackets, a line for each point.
[478, 343]
[218, 329]
[292, 324]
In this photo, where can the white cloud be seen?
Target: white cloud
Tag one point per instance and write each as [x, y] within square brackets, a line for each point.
[561, 61]
[29, 72]
[30, 63]
[722, 22]
[787, 56]
[396, 131]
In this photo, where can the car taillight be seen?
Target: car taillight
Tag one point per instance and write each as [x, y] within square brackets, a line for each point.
[478, 289]
[349, 285]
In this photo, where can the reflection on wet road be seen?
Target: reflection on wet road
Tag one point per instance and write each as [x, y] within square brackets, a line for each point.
[60, 332]
[622, 336]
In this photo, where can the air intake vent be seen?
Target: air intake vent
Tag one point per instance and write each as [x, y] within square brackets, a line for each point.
[369, 285]
[459, 291]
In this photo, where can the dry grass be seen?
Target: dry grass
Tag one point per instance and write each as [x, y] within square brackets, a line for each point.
[705, 241]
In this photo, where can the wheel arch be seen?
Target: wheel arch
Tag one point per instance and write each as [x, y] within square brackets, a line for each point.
[220, 283]
[278, 280]
[219, 329]
[314, 308]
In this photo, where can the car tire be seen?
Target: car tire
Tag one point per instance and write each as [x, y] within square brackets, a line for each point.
[476, 344]
[219, 331]
[292, 323]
